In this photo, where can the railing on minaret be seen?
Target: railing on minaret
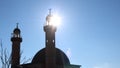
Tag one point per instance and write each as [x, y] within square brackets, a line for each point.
[50, 49]
[16, 40]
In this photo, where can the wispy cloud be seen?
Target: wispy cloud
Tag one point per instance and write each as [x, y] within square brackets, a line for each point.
[68, 52]
[104, 65]
[107, 65]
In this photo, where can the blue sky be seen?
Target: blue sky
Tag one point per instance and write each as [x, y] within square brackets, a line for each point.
[89, 31]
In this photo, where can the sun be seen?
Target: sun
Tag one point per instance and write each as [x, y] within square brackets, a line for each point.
[55, 20]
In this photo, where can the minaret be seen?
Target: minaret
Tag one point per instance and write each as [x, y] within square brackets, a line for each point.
[50, 49]
[16, 40]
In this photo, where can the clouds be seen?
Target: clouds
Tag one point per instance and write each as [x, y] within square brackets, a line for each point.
[104, 65]
[68, 53]
[107, 65]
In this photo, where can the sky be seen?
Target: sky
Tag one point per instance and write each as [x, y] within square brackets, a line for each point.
[89, 32]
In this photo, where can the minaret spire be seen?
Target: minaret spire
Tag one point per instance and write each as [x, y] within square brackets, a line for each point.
[16, 40]
[50, 49]
[49, 30]
[49, 17]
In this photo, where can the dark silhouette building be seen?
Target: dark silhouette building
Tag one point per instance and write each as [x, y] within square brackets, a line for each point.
[48, 57]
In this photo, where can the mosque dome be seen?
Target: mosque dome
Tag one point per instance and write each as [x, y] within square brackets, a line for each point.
[61, 58]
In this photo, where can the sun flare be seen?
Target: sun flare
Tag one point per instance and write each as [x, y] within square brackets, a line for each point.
[55, 20]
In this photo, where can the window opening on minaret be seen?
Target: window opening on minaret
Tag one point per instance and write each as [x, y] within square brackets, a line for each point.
[46, 40]
[53, 41]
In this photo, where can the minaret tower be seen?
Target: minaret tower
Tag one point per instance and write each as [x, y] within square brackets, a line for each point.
[50, 49]
[16, 40]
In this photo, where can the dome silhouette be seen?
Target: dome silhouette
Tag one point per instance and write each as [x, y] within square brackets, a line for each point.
[61, 58]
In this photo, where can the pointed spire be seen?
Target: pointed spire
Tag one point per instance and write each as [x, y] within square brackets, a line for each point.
[16, 31]
[48, 17]
[17, 25]
[50, 11]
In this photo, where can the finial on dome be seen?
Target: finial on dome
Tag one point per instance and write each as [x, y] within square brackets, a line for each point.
[50, 11]
[16, 31]
[48, 18]
[17, 25]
